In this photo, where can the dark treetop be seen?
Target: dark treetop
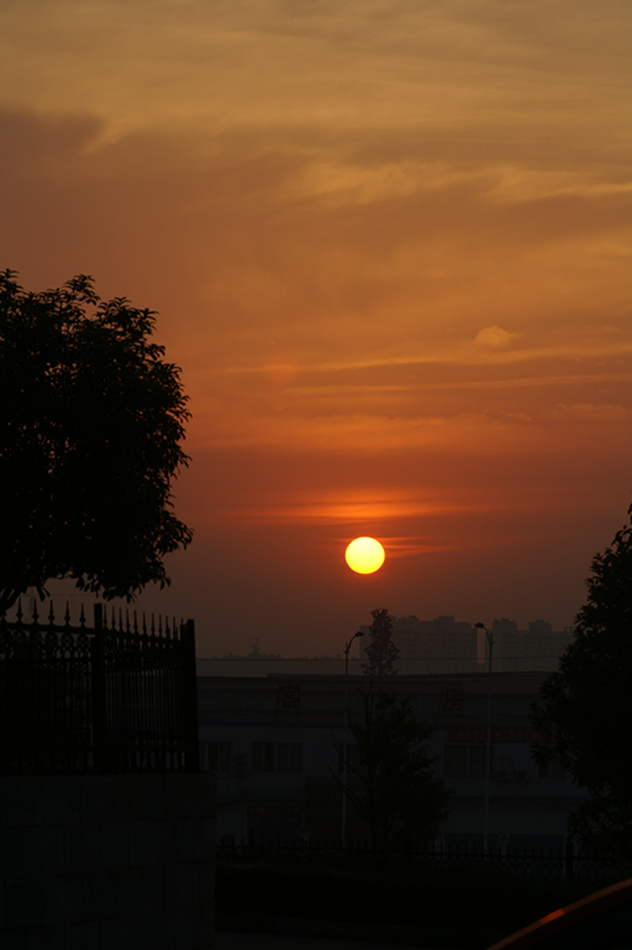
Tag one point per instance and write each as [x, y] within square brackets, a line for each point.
[91, 421]
[585, 710]
[381, 651]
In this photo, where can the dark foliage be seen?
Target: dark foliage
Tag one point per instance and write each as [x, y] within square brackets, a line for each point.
[91, 421]
[381, 651]
[585, 709]
[394, 786]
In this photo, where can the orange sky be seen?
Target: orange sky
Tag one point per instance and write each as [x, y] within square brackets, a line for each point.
[388, 242]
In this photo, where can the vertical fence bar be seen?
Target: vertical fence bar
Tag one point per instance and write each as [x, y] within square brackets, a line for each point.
[189, 684]
[98, 692]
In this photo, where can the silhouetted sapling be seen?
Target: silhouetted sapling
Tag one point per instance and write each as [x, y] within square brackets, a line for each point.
[381, 651]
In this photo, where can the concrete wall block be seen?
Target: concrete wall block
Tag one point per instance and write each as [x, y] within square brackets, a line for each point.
[149, 842]
[206, 878]
[129, 892]
[199, 794]
[98, 895]
[120, 933]
[25, 902]
[153, 889]
[175, 887]
[203, 838]
[81, 847]
[164, 931]
[176, 799]
[114, 845]
[84, 936]
[203, 927]
[19, 851]
[120, 860]
[53, 938]
[20, 800]
[96, 798]
[61, 799]
[183, 837]
[138, 797]
[192, 884]
[64, 898]
[52, 850]
[184, 928]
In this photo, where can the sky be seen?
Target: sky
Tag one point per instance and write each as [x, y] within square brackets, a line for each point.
[388, 243]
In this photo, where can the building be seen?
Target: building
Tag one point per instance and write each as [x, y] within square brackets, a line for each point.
[446, 645]
[274, 743]
[538, 648]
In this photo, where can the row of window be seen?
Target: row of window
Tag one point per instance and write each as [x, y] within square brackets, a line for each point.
[284, 758]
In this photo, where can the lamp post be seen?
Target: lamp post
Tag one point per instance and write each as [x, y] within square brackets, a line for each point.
[343, 827]
[488, 739]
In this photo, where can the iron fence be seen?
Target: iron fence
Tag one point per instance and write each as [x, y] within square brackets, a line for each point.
[567, 862]
[118, 697]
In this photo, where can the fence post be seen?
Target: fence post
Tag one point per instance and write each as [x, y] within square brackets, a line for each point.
[98, 691]
[569, 859]
[192, 743]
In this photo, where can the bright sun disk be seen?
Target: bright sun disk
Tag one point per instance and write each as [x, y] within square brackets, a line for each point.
[365, 555]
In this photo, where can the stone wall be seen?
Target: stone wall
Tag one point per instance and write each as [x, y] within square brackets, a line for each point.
[107, 862]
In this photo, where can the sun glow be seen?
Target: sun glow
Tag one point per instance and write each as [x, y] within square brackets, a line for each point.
[365, 555]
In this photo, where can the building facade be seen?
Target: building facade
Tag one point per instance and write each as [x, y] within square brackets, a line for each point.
[275, 744]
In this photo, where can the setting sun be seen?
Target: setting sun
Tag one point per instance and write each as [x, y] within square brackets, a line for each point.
[365, 555]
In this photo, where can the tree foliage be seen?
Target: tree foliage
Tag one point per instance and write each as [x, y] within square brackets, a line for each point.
[393, 785]
[381, 651]
[91, 421]
[585, 707]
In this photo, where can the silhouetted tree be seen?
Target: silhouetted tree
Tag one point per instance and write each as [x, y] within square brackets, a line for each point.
[585, 707]
[381, 651]
[392, 784]
[91, 420]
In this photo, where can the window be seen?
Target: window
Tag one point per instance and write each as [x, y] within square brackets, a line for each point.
[219, 756]
[284, 758]
[466, 761]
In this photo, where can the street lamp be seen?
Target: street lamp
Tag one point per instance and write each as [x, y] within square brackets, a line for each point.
[343, 828]
[488, 741]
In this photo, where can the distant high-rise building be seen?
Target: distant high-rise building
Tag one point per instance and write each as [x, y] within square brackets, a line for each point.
[446, 645]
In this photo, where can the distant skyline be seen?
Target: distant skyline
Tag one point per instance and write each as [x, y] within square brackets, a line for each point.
[389, 247]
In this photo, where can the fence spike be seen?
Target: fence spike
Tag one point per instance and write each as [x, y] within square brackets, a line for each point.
[135, 623]
[144, 625]
[19, 612]
[126, 620]
[67, 615]
[35, 613]
[51, 614]
[153, 626]
[82, 617]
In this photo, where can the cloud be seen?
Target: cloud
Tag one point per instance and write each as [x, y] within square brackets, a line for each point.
[494, 337]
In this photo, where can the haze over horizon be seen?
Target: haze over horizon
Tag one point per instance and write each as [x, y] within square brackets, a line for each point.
[388, 243]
